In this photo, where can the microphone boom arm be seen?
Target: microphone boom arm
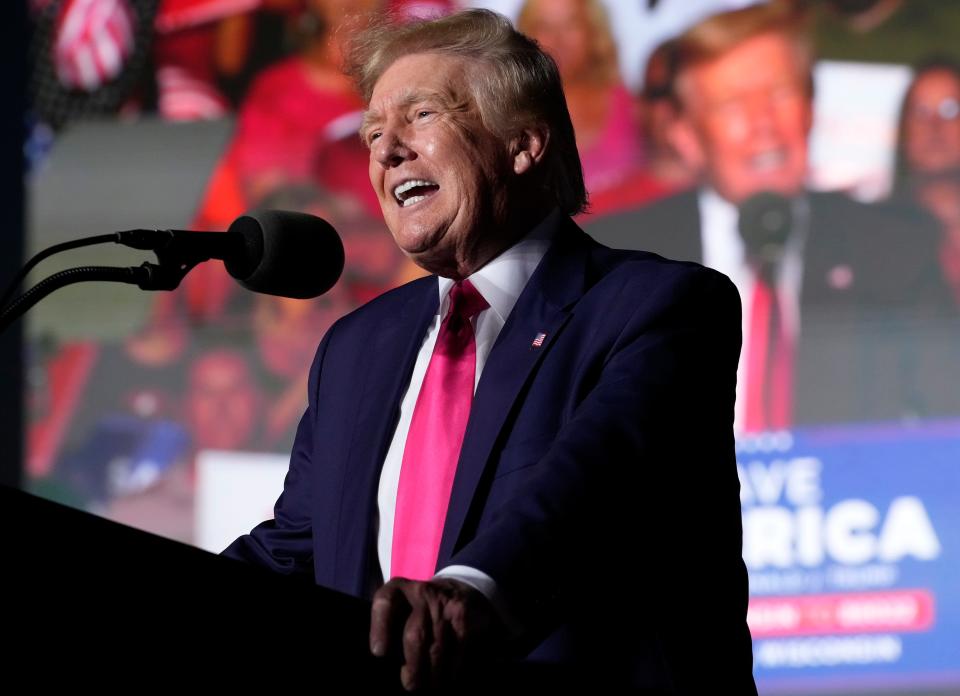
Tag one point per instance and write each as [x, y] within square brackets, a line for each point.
[47, 253]
[133, 275]
[277, 252]
[175, 258]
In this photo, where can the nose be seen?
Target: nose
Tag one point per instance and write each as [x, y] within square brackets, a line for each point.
[762, 114]
[391, 149]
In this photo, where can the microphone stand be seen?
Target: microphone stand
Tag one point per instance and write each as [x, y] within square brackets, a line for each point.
[48, 252]
[175, 258]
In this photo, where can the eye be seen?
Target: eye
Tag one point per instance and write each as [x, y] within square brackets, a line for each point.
[423, 113]
[373, 136]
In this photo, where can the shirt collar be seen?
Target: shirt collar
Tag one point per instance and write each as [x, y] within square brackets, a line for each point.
[722, 245]
[502, 279]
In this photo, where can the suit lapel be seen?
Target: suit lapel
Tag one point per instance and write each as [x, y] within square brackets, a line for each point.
[543, 308]
[826, 251]
[390, 353]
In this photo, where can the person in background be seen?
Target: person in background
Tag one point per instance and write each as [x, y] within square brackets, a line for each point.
[291, 111]
[928, 155]
[658, 112]
[664, 171]
[843, 304]
[285, 331]
[196, 43]
[223, 404]
[222, 408]
[576, 33]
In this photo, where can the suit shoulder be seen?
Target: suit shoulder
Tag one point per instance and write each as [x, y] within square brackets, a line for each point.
[642, 274]
[893, 216]
[633, 261]
[387, 304]
[893, 234]
[669, 226]
[665, 208]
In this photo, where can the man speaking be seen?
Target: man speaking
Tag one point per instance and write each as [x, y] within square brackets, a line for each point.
[529, 452]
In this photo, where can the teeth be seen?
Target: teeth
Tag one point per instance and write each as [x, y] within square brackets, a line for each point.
[407, 185]
[768, 160]
[412, 200]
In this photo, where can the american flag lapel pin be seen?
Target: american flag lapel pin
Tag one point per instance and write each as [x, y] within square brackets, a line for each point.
[538, 340]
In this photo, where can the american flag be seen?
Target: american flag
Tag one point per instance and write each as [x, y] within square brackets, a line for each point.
[538, 341]
[93, 41]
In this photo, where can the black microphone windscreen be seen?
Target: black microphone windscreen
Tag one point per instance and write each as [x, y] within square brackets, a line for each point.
[765, 220]
[286, 253]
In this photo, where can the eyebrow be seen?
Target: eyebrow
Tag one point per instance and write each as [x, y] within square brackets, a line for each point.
[410, 97]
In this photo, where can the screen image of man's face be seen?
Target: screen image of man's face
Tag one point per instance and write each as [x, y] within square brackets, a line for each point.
[747, 114]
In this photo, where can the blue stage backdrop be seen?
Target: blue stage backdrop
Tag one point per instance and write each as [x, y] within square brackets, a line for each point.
[852, 541]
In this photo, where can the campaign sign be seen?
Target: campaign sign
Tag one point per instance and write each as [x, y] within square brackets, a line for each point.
[851, 536]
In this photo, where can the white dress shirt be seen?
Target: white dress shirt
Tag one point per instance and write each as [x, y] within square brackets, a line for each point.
[500, 282]
[724, 251]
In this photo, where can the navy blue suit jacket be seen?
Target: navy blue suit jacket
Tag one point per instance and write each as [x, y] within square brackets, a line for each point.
[597, 481]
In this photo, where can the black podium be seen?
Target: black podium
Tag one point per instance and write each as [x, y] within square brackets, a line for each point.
[89, 601]
[92, 603]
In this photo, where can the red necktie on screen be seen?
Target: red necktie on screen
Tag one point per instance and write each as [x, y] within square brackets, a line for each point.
[769, 363]
[433, 443]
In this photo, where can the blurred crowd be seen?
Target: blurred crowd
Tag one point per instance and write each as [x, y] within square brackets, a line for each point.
[849, 309]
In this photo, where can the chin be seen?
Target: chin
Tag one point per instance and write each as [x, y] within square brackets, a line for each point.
[782, 185]
[787, 188]
[414, 241]
[436, 263]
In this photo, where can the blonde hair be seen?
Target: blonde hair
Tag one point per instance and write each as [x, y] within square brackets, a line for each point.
[603, 61]
[520, 85]
[719, 33]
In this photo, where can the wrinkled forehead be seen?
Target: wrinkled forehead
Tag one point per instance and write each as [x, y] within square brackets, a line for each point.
[421, 77]
[407, 97]
[767, 60]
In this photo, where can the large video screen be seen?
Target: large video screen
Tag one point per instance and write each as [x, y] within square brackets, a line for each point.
[817, 164]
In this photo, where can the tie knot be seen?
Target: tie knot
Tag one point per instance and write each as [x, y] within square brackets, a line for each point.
[465, 300]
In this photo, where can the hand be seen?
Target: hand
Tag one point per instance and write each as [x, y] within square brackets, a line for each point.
[443, 626]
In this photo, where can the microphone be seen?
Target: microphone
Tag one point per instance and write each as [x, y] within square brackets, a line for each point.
[765, 220]
[276, 252]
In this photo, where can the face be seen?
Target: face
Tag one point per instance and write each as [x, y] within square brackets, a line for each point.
[932, 124]
[222, 402]
[561, 27]
[441, 176]
[746, 116]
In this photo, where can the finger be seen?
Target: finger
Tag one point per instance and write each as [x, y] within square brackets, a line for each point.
[455, 614]
[387, 613]
[439, 653]
[417, 637]
[470, 624]
[445, 653]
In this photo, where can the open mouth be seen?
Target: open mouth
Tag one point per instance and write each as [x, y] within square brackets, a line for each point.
[768, 161]
[413, 191]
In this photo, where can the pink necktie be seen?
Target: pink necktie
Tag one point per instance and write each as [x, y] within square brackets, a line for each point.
[433, 442]
[769, 392]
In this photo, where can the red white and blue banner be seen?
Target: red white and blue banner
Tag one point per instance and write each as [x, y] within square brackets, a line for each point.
[852, 542]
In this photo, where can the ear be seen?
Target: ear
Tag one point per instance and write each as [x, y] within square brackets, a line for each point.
[529, 147]
[684, 138]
